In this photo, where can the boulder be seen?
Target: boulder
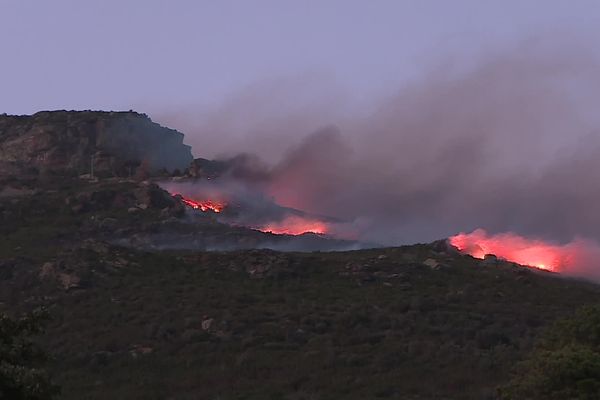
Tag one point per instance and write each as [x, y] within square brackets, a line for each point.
[431, 263]
[434, 264]
[490, 259]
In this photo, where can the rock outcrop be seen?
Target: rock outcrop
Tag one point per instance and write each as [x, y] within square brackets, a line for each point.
[115, 143]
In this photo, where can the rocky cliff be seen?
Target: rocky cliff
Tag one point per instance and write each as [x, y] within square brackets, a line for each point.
[115, 143]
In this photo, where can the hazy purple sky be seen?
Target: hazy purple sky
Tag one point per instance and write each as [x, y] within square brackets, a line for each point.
[148, 54]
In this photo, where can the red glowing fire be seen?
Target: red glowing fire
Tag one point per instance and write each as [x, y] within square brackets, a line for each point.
[295, 225]
[512, 247]
[291, 225]
[204, 205]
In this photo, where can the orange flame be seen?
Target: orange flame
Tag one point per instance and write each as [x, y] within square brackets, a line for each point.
[295, 225]
[205, 205]
[512, 247]
[292, 225]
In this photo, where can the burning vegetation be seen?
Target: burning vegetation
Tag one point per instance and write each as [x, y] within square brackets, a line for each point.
[202, 205]
[278, 220]
[296, 225]
[577, 258]
[252, 210]
[512, 247]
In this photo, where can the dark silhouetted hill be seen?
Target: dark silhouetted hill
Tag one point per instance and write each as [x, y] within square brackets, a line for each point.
[69, 142]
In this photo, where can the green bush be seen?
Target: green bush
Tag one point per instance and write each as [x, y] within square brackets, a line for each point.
[564, 365]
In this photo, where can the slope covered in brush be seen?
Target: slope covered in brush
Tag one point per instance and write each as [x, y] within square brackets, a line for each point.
[408, 322]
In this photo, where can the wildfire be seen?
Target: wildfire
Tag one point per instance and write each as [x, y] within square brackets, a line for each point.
[295, 225]
[509, 246]
[205, 205]
[292, 225]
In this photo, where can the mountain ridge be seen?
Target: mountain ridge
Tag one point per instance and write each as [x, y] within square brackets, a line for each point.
[111, 143]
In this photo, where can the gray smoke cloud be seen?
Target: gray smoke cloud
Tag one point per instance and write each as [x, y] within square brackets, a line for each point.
[511, 143]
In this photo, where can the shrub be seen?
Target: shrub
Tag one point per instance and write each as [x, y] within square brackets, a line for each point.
[564, 365]
[20, 359]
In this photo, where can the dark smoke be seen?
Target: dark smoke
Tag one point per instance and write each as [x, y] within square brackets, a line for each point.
[512, 144]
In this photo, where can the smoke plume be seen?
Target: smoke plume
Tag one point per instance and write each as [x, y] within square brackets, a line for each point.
[511, 144]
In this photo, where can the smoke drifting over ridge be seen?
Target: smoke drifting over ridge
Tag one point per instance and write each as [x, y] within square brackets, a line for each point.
[513, 144]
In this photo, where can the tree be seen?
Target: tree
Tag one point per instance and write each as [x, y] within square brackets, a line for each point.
[565, 364]
[21, 375]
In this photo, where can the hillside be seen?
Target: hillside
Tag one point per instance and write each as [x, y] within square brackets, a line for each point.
[382, 323]
[141, 310]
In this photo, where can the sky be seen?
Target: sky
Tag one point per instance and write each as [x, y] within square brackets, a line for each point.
[154, 55]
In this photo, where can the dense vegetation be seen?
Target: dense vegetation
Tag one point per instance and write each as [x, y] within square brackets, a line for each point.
[382, 323]
[21, 374]
[565, 363]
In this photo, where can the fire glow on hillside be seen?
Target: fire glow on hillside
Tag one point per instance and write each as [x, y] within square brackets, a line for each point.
[289, 225]
[203, 205]
[515, 248]
[295, 225]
